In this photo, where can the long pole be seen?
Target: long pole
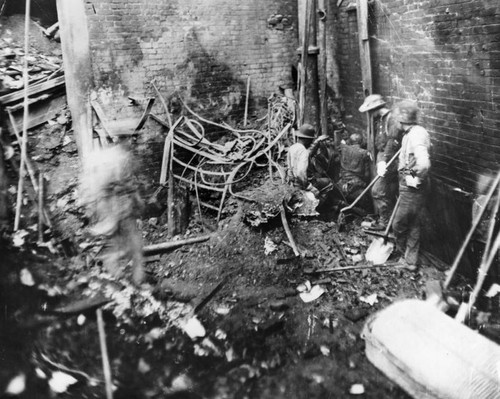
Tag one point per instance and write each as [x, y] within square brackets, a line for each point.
[246, 102]
[104, 353]
[24, 142]
[40, 207]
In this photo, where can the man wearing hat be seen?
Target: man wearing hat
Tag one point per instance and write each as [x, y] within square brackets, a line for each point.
[298, 159]
[413, 169]
[384, 190]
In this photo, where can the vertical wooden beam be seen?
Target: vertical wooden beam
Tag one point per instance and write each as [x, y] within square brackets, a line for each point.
[322, 14]
[309, 54]
[75, 46]
[366, 66]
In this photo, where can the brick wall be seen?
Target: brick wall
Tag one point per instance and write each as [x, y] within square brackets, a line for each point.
[203, 50]
[446, 55]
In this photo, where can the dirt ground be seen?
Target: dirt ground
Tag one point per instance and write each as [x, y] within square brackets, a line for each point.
[261, 339]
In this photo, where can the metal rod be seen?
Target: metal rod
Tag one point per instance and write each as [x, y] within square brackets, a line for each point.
[173, 244]
[359, 267]
[104, 352]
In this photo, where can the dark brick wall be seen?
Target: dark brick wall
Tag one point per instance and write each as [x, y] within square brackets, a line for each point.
[204, 51]
[201, 52]
[446, 55]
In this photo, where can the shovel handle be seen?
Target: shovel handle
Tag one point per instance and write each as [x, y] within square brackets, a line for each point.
[386, 232]
[370, 185]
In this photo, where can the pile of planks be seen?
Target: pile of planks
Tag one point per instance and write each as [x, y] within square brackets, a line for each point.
[45, 84]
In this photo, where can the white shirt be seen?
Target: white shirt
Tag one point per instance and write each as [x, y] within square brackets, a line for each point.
[298, 161]
[415, 151]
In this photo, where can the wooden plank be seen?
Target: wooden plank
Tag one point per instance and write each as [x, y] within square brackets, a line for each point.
[75, 45]
[366, 67]
[17, 107]
[39, 113]
[364, 46]
[145, 114]
[32, 90]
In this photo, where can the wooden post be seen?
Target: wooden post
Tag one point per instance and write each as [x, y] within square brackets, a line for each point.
[323, 71]
[246, 101]
[104, 353]
[77, 69]
[366, 66]
[309, 58]
[41, 193]
[24, 143]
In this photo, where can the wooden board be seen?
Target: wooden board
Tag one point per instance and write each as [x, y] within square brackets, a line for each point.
[429, 354]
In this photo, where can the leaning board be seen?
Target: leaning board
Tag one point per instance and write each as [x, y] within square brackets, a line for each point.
[430, 355]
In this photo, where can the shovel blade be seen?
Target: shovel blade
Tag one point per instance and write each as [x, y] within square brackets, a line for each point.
[379, 251]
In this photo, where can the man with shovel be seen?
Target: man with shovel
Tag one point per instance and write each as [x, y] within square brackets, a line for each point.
[413, 169]
[384, 191]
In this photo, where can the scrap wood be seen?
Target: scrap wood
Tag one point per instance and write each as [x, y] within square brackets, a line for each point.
[164, 103]
[32, 194]
[104, 137]
[246, 101]
[288, 232]
[51, 30]
[41, 193]
[356, 267]
[38, 88]
[101, 115]
[104, 353]
[82, 305]
[17, 107]
[62, 367]
[24, 144]
[168, 152]
[30, 169]
[149, 249]
[210, 295]
[339, 247]
[145, 114]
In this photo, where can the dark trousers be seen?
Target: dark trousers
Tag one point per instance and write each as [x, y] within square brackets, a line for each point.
[406, 224]
[384, 196]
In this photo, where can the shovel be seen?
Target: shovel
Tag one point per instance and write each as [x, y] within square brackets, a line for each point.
[380, 249]
[341, 217]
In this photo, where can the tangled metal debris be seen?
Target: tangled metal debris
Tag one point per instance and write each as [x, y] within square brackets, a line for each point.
[218, 167]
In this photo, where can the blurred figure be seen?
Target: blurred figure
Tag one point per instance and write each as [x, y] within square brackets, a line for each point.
[385, 189]
[354, 168]
[413, 169]
[110, 193]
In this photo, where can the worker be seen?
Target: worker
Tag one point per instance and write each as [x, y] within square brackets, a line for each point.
[384, 190]
[413, 170]
[298, 159]
[323, 170]
[110, 193]
[354, 168]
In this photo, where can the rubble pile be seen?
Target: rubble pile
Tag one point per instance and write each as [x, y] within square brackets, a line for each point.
[42, 66]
